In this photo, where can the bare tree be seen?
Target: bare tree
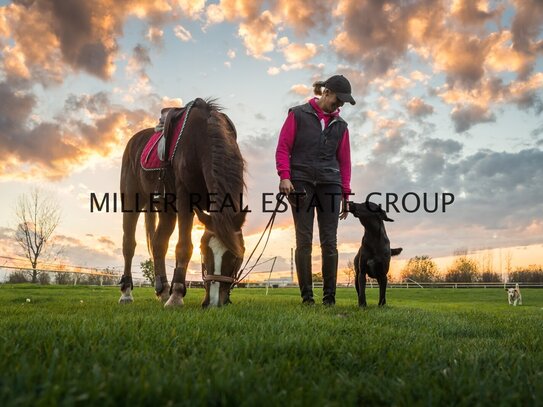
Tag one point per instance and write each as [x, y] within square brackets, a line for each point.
[349, 272]
[38, 215]
[508, 264]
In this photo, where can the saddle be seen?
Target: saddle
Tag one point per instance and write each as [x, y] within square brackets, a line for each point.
[161, 146]
[168, 116]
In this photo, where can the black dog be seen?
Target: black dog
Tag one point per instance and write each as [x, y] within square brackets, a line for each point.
[373, 257]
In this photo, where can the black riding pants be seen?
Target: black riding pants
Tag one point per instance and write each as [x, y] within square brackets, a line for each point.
[325, 200]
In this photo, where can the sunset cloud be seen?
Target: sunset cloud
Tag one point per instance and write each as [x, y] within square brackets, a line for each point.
[474, 12]
[78, 35]
[50, 149]
[155, 35]
[259, 35]
[240, 9]
[466, 116]
[182, 33]
[299, 53]
[302, 90]
[526, 27]
[304, 16]
[417, 108]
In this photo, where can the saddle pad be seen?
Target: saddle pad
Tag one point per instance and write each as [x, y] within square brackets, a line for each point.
[149, 157]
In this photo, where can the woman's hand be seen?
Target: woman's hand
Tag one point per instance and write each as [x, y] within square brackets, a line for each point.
[345, 210]
[286, 187]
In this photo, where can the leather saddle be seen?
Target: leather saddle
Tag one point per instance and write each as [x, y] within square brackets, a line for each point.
[168, 117]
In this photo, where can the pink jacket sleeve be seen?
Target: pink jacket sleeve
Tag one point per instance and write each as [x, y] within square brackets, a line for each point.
[344, 159]
[284, 147]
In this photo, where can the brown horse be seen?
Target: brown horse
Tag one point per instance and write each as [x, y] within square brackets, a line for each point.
[207, 167]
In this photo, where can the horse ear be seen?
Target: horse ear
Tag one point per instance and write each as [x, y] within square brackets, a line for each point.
[204, 218]
[385, 217]
[239, 218]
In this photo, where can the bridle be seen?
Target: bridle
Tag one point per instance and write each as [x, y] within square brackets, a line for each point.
[206, 277]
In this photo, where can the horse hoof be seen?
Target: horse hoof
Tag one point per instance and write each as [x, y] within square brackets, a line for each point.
[175, 301]
[164, 295]
[126, 299]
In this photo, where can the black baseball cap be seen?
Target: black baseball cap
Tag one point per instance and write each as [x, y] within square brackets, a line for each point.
[340, 86]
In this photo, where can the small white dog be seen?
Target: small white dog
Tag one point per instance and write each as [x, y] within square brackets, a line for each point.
[513, 295]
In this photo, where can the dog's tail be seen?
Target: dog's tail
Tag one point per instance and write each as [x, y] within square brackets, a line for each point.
[517, 287]
[395, 252]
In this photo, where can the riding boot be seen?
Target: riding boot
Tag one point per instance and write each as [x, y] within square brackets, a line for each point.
[303, 270]
[329, 276]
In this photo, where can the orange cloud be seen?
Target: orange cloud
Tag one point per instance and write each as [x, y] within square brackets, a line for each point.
[90, 127]
[474, 12]
[417, 108]
[80, 35]
[301, 90]
[240, 9]
[303, 16]
[258, 35]
[299, 53]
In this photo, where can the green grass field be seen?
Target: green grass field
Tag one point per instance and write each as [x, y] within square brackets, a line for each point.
[77, 346]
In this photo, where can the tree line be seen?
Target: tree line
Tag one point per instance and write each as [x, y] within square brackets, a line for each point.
[423, 269]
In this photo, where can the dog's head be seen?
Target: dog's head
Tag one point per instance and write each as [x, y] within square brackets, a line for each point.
[512, 293]
[369, 213]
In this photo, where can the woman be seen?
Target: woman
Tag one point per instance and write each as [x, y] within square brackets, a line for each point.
[313, 161]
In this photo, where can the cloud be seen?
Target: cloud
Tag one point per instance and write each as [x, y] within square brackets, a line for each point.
[214, 15]
[302, 90]
[106, 241]
[373, 34]
[182, 33]
[139, 60]
[155, 35]
[497, 196]
[417, 108]
[192, 8]
[474, 12]
[299, 53]
[503, 57]
[525, 28]
[78, 35]
[304, 16]
[76, 252]
[90, 126]
[240, 9]
[258, 35]
[465, 117]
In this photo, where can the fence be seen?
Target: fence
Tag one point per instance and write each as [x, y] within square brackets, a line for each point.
[374, 284]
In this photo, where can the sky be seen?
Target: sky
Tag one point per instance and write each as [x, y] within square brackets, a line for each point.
[449, 100]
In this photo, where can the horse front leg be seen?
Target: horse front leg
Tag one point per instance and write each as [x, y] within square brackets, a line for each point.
[183, 253]
[382, 280]
[166, 225]
[130, 220]
[361, 282]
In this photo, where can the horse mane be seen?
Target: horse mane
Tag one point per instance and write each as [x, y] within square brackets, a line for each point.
[228, 169]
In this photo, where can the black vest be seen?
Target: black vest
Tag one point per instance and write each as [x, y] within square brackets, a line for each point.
[313, 157]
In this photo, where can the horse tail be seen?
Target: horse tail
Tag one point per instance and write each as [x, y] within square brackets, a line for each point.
[150, 228]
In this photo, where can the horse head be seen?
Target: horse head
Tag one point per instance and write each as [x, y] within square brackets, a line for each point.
[222, 250]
